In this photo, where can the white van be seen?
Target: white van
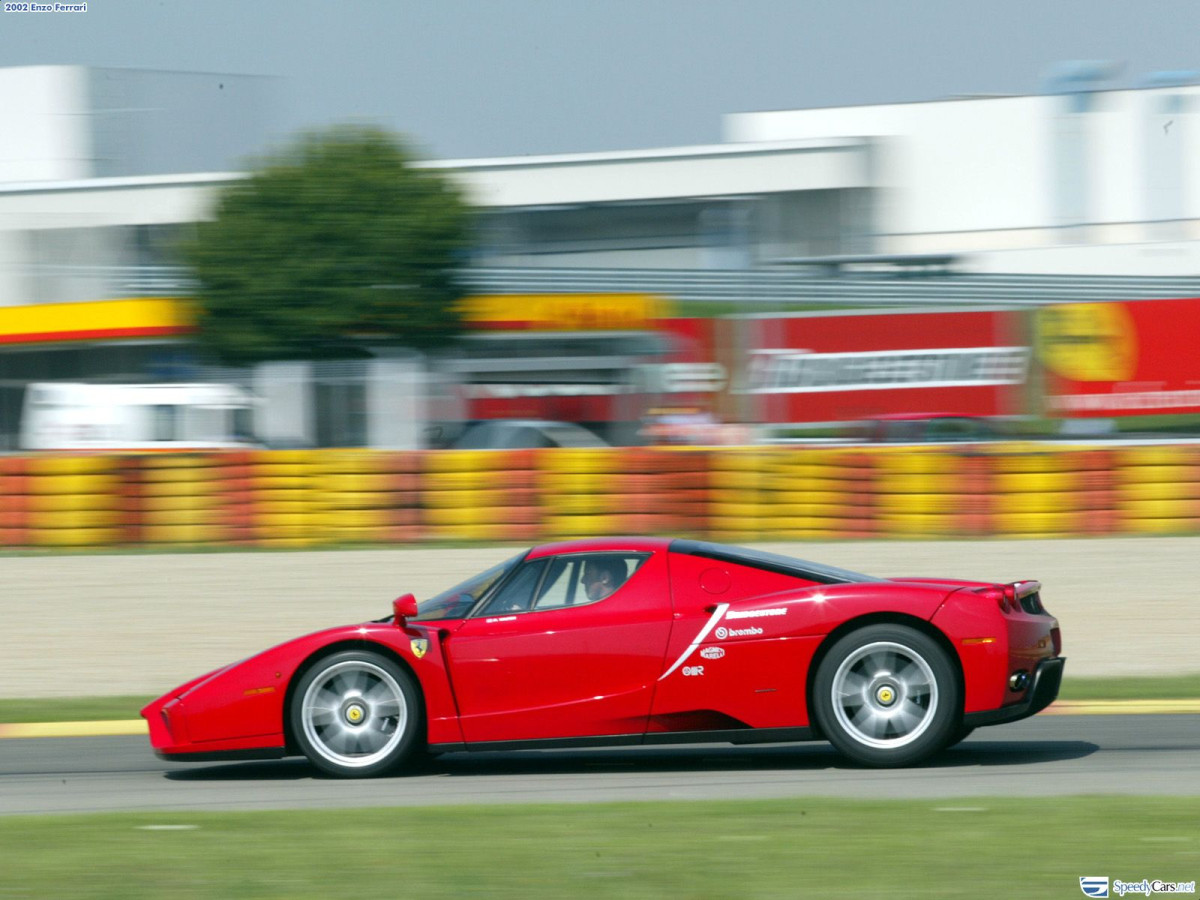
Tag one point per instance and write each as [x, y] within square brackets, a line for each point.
[62, 416]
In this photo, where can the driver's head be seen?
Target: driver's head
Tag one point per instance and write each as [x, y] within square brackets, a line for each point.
[602, 576]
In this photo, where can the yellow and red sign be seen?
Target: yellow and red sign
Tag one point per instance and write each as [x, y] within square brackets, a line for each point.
[564, 312]
[97, 320]
[1120, 358]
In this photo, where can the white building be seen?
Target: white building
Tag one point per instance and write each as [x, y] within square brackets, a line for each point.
[101, 171]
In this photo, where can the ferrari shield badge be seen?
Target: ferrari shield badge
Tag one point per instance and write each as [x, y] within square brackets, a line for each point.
[419, 646]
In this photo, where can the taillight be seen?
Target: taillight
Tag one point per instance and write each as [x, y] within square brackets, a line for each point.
[1010, 598]
[1000, 595]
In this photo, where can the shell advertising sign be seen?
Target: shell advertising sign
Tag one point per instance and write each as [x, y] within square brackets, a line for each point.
[1120, 358]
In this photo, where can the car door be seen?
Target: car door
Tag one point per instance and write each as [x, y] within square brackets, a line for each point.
[545, 659]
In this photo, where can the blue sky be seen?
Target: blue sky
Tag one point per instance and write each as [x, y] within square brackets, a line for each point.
[472, 78]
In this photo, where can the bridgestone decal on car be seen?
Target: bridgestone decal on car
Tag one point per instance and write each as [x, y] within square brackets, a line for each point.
[708, 626]
[756, 613]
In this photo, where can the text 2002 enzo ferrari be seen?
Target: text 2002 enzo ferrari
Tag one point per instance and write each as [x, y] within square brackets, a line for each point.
[624, 641]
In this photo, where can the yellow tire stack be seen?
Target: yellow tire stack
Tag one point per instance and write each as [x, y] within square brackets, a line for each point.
[1042, 493]
[580, 491]
[480, 495]
[737, 493]
[177, 498]
[1158, 489]
[366, 496]
[285, 492]
[921, 492]
[75, 501]
[816, 493]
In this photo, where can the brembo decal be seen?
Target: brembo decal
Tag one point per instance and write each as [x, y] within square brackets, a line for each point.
[708, 626]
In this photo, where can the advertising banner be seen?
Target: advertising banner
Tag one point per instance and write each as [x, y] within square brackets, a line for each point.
[818, 367]
[1120, 358]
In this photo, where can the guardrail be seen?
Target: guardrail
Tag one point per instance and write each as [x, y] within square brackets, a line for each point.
[292, 498]
[780, 285]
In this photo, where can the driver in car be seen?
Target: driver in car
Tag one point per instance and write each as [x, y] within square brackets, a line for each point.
[602, 576]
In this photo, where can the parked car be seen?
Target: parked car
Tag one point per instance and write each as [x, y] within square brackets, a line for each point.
[914, 428]
[635, 641]
[520, 434]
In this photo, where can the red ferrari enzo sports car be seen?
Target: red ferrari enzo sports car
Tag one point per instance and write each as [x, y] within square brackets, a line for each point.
[626, 641]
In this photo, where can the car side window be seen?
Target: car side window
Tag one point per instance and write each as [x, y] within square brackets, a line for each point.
[558, 588]
[557, 582]
[517, 595]
[587, 578]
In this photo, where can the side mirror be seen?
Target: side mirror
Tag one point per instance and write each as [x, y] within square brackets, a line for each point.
[404, 608]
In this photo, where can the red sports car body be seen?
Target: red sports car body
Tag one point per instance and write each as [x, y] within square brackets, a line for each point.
[635, 641]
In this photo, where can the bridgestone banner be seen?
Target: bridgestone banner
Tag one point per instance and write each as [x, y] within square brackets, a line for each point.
[816, 367]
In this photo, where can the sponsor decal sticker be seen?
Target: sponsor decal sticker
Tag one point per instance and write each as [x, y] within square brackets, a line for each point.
[693, 670]
[500, 619]
[723, 633]
[721, 609]
[712, 652]
[755, 613]
[420, 646]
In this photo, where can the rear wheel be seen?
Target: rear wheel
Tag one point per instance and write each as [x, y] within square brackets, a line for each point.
[886, 695]
[960, 734]
[356, 714]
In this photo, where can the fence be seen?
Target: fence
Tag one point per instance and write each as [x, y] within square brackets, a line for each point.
[292, 498]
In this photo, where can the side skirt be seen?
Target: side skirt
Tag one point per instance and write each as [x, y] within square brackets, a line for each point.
[225, 755]
[730, 736]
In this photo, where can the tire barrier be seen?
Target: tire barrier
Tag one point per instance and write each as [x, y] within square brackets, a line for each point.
[366, 496]
[1158, 489]
[74, 501]
[178, 499]
[591, 492]
[301, 498]
[480, 495]
[14, 502]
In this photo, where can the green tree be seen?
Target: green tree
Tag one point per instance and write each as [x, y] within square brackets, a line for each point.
[334, 244]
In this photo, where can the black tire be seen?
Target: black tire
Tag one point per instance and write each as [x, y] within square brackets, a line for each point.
[887, 695]
[356, 714]
[960, 734]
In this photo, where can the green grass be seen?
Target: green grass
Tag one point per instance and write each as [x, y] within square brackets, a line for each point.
[1141, 687]
[992, 847]
[71, 709]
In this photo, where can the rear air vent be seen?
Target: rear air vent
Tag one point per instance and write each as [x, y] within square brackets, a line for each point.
[1032, 604]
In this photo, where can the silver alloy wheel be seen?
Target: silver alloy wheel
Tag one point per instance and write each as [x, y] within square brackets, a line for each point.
[354, 714]
[884, 695]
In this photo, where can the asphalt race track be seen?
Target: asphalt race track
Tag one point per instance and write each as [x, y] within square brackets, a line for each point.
[1039, 757]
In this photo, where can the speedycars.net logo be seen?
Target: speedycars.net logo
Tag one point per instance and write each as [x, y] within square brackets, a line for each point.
[1098, 886]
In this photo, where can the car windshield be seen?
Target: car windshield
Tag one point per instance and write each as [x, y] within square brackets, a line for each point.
[457, 601]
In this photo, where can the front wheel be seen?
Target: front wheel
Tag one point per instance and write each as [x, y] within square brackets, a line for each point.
[886, 695]
[356, 714]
